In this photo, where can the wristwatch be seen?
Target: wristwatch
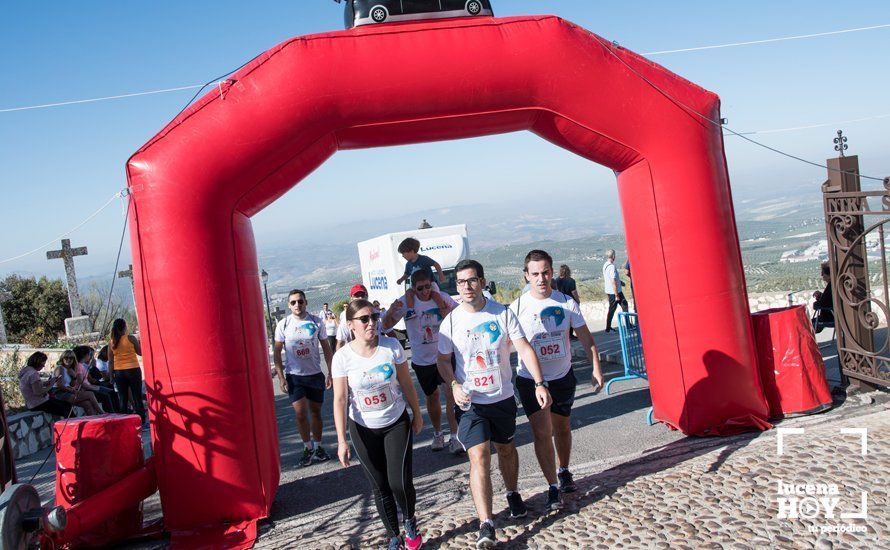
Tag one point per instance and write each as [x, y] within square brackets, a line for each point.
[542, 384]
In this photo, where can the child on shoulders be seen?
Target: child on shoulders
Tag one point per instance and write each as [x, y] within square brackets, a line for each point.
[410, 250]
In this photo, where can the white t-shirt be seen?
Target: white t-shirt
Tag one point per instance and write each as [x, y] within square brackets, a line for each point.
[610, 274]
[301, 338]
[423, 328]
[375, 396]
[344, 334]
[480, 342]
[101, 365]
[546, 326]
[330, 323]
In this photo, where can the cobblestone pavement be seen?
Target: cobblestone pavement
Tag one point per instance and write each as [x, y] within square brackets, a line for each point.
[691, 493]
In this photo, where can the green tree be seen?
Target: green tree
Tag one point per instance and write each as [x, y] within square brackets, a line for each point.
[37, 308]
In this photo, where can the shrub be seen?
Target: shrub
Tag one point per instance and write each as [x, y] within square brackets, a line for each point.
[10, 364]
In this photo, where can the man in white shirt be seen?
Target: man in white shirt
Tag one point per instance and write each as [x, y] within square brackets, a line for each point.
[547, 317]
[298, 335]
[612, 288]
[477, 335]
[423, 332]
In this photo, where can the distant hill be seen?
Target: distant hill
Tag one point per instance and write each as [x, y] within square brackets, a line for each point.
[768, 228]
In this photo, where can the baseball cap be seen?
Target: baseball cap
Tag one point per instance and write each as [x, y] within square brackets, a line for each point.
[356, 289]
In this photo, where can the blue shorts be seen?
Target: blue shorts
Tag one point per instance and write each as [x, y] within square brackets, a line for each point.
[311, 387]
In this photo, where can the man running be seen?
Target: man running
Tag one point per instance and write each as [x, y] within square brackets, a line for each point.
[299, 335]
[423, 332]
[547, 317]
[477, 334]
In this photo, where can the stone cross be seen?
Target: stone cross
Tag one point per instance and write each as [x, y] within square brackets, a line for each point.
[4, 297]
[67, 255]
[278, 313]
[128, 273]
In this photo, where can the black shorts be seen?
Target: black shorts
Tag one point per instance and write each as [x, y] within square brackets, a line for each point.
[562, 390]
[311, 387]
[428, 376]
[482, 423]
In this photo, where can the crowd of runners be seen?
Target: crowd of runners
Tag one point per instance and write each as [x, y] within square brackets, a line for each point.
[459, 350]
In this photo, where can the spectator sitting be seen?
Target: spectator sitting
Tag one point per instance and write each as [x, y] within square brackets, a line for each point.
[105, 396]
[36, 391]
[99, 369]
[823, 307]
[66, 389]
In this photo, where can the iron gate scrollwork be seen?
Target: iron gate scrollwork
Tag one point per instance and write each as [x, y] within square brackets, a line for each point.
[857, 246]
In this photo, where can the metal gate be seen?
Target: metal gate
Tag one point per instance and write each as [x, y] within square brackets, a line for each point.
[857, 254]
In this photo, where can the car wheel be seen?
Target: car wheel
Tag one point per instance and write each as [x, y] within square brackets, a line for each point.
[474, 7]
[378, 14]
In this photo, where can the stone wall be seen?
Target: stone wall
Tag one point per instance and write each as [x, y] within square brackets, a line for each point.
[29, 432]
[596, 311]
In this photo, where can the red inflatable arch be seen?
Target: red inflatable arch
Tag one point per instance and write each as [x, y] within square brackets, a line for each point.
[197, 183]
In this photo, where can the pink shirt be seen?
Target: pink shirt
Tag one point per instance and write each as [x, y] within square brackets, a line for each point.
[27, 377]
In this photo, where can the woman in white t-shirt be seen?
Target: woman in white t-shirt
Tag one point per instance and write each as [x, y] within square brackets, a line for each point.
[371, 377]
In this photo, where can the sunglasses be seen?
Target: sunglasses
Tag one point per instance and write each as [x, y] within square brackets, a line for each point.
[421, 288]
[360, 295]
[365, 319]
[295, 302]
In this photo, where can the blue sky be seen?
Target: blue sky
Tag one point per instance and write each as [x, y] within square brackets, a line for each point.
[58, 165]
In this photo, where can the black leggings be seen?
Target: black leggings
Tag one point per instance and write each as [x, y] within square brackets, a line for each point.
[386, 454]
[55, 407]
[129, 381]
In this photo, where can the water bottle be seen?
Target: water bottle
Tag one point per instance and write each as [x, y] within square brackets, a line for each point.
[468, 389]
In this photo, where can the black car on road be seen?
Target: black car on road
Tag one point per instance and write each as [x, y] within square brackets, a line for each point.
[369, 12]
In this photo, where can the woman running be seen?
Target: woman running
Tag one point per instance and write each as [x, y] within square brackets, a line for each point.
[371, 374]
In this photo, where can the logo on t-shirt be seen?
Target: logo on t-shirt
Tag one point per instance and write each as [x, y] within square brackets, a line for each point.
[552, 317]
[378, 375]
[308, 328]
[492, 329]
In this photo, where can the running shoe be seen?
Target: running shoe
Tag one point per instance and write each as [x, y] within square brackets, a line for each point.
[395, 543]
[413, 540]
[517, 506]
[438, 442]
[410, 314]
[486, 538]
[554, 500]
[454, 446]
[319, 454]
[566, 483]
[306, 457]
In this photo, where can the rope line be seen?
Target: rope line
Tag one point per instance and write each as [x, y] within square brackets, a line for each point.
[610, 48]
[661, 52]
[95, 99]
[824, 125]
[119, 194]
[768, 40]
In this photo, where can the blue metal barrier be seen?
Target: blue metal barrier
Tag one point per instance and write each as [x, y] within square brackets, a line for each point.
[631, 353]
